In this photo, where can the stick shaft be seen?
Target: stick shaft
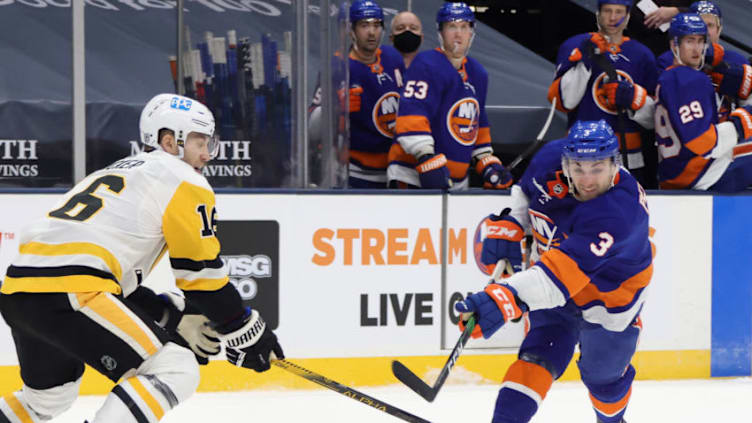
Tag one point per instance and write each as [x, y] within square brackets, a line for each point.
[348, 391]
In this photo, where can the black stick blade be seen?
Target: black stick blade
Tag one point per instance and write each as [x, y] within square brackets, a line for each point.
[406, 376]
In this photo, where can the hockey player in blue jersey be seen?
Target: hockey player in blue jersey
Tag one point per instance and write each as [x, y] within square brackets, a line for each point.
[697, 151]
[375, 82]
[583, 89]
[593, 262]
[442, 127]
[376, 79]
[719, 62]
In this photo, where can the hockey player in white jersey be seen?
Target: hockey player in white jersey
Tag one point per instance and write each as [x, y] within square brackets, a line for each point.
[73, 294]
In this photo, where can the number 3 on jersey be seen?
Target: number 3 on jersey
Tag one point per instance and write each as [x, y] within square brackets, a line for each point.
[606, 242]
[417, 89]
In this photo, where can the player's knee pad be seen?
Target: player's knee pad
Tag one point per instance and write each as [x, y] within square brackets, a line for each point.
[174, 370]
[39, 405]
[524, 388]
[163, 381]
[550, 346]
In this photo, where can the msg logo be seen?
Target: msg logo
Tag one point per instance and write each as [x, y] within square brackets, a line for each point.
[242, 269]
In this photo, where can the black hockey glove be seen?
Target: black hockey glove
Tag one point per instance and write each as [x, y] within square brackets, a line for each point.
[249, 343]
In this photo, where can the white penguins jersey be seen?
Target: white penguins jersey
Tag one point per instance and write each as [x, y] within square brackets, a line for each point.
[107, 233]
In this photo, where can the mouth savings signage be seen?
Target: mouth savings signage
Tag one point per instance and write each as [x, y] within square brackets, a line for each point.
[251, 251]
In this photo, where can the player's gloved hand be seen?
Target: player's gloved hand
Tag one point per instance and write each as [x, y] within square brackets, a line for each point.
[355, 100]
[249, 342]
[495, 175]
[595, 44]
[733, 79]
[714, 55]
[742, 119]
[624, 94]
[433, 172]
[503, 237]
[494, 306]
[191, 326]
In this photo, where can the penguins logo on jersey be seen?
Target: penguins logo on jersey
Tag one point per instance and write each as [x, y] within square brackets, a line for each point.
[385, 113]
[463, 120]
[599, 99]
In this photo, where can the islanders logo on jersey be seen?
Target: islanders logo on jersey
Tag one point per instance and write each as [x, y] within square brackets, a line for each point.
[385, 113]
[599, 97]
[463, 120]
[544, 231]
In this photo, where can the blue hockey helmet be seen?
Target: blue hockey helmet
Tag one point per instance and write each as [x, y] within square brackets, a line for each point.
[627, 3]
[591, 140]
[686, 24]
[705, 8]
[365, 9]
[457, 11]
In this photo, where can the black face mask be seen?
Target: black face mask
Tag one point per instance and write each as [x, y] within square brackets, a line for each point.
[407, 41]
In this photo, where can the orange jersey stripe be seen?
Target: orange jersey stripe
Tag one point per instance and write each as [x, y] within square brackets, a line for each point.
[484, 136]
[374, 160]
[620, 296]
[531, 375]
[743, 149]
[553, 91]
[704, 143]
[689, 174]
[611, 408]
[457, 170]
[634, 141]
[566, 270]
[412, 123]
[397, 153]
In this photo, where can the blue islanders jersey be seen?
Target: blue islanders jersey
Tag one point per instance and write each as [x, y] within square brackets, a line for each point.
[444, 107]
[597, 253]
[694, 148]
[632, 61]
[726, 104]
[372, 127]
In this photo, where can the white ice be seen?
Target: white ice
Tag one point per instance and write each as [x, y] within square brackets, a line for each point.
[685, 401]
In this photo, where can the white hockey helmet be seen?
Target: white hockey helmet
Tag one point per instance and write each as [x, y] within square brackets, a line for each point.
[179, 114]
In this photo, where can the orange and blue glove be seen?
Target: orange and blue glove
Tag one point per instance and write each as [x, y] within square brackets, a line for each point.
[503, 237]
[742, 119]
[433, 172]
[495, 175]
[493, 307]
[624, 94]
[595, 44]
[355, 100]
[733, 79]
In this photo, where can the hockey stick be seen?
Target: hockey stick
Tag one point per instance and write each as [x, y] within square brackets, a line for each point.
[538, 140]
[415, 383]
[347, 391]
